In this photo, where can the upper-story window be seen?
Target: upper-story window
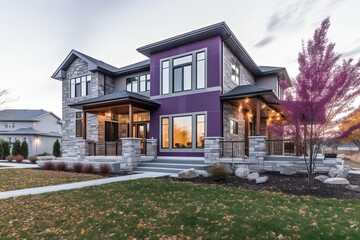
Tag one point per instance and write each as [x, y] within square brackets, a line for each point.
[10, 125]
[235, 72]
[183, 73]
[80, 86]
[138, 83]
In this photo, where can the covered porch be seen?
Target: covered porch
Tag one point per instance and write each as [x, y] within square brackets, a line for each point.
[104, 121]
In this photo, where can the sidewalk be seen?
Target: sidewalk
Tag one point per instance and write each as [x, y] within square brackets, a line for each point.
[68, 186]
[8, 165]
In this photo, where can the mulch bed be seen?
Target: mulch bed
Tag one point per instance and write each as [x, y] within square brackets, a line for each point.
[295, 184]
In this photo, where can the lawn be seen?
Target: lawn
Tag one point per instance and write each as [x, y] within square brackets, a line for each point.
[13, 179]
[162, 209]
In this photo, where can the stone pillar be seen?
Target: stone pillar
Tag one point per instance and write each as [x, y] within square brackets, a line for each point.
[212, 149]
[131, 154]
[257, 151]
[80, 147]
[151, 147]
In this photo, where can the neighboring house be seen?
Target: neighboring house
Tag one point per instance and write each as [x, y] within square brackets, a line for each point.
[39, 128]
[195, 85]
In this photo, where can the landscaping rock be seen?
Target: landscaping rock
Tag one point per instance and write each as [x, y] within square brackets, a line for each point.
[202, 173]
[263, 179]
[337, 181]
[175, 175]
[321, 178]
[188, 173]
[288, 171]
[253, 176]
[333, 172]
[343, 173]
[242, 172]
[354, 188]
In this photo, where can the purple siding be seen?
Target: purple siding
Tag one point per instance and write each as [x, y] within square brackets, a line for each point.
[202, 102]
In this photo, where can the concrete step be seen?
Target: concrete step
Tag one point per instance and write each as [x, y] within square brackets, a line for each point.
[173, 165]
[180, 161]
[157, 169]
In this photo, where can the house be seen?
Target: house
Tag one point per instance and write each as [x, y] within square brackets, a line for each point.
[194, 90]
[39, 128]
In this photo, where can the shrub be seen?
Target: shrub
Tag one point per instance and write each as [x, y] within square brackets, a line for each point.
[16, 148]
[24, 149]
[61, 166]
[104, 168]
[48, 166]
[56, 148]
[89, 168]
[330, 155]
[33, 159]
[10, 158]
[78, 167]
[6, 149]
[218, 172]
[44, 154]
[1, 151]
[19, 158]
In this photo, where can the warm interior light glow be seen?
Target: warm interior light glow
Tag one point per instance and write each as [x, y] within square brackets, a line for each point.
[263, 106]
[247, 100]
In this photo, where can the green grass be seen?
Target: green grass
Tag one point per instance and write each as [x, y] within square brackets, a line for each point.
[160, 209]
[13, 179]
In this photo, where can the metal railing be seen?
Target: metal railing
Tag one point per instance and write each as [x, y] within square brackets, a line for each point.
[232, 149]
[105, 148]
[286, 147]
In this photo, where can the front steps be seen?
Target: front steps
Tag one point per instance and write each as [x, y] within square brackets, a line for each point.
[170, 165]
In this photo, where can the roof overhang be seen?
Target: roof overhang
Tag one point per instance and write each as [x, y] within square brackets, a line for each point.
[250, 91]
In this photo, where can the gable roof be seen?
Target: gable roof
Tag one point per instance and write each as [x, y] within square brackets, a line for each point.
[23, 115]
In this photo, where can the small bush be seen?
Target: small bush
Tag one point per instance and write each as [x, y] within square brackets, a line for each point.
[61, 166]
[48, 166]
[16, 149]
[19, 158]
[78, 167]
[218, 172]
[330, 155]
[56, 148]
[10, 158]
[104, 168]
[33, 159]
[89, 168]
[24, 149]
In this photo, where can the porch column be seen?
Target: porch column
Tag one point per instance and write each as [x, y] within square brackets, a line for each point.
[212, 149]
[130, 120]
[131, 154]
[258, 107]
[257, 152]
[84, 125]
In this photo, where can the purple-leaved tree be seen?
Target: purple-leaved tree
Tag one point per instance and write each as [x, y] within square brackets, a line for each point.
[324, 89]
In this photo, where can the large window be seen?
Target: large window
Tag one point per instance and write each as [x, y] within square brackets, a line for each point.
[183, 132]
[78, 124]
[235, 72]
[234, 127]
[80, 86]
[183, 73]
[138, 83]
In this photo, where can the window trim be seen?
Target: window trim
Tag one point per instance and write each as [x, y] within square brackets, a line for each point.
[86, 83]
[193, 71]
[231, 129]
[193, 134]
[81, 127]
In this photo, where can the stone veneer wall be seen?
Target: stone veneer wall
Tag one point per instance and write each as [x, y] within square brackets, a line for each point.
[233, 112]
[246, 78]
[71, 145]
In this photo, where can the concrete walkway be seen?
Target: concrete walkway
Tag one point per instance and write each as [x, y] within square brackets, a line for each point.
[16, 165]
[68, 186]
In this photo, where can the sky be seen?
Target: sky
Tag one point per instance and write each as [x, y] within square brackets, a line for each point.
[37, 35]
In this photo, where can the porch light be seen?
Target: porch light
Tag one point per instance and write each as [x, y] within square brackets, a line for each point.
[263, 106]
[247, 100]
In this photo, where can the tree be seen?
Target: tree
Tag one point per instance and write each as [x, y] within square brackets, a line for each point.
[1, 150]
[56, 148]
[16, 149]
[348, 125]
[24, 150]
[6, 148]
[324, 88]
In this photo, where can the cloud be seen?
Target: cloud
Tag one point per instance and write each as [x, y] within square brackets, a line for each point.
[264, 41]
[351, 53]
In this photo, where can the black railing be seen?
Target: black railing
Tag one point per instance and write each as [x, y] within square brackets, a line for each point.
[104, 148]
[232, 149]
[285, 147]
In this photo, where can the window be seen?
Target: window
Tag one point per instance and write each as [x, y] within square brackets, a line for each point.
[80, 86]
[235, 72]
[9, 138]
[200, 130]
[182, 132]
[9, 125]
[165, 133]
[111, 131]
[165, 77]
[200, 70]
[138, 83]
[234, 127]
[183, 73]
[132, 84]
[148, 82]
[78, 124]
[142, 83]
